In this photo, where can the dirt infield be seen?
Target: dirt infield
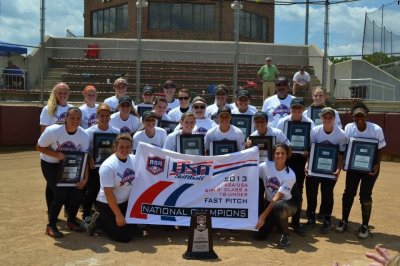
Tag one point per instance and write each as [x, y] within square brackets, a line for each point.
[23, 221]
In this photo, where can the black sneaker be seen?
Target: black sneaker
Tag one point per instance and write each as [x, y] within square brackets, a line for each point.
[74, 226]
[326, 227]
[300, 230]
[341, 227]
[364, 232]
[285, 241]
[310, 224]
[53, 232]
[91, 227]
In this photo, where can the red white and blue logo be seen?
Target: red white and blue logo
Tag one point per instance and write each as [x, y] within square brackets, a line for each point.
[155, 165]
[281, 110]
[92, 120]
[68, 146]
[125, 129]
[190, 170]
[61, 118]
[127, 177]
[273, 184]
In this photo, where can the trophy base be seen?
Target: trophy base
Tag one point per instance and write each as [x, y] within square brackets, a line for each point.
[200, 255]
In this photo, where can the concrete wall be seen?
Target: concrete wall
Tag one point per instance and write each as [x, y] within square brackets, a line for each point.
[359, 69]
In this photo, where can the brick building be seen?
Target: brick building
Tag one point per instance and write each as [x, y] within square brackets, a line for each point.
[179, 20]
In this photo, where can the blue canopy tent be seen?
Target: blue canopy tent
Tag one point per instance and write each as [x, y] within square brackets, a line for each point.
[8, 49]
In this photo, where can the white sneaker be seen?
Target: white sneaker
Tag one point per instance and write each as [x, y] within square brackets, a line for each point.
[363, 232]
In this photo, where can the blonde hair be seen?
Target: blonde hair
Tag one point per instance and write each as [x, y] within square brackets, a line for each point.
[52, 101]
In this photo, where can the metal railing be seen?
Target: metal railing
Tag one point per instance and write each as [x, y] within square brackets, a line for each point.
[367, 89]
[13, 79]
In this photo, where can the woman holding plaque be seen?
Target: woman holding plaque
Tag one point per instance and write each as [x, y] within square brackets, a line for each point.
[103, 114]
[279, 180]
[327, 133]
[361, 128]
[126, 119]
[319, 96]
[188, 122]
[54, 113]
[89, 108]
[52, 144]
[116, 176]
[149, 133]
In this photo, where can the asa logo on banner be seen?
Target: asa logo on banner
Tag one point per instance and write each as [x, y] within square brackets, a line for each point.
[169, 187]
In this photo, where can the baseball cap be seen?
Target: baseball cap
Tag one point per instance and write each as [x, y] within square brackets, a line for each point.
[199, 99]
[360, 111]
[262, 115]
[148, 114]
[243, 93]
[281, 80]
[169, 83]
[223, 109]
[120, 80]
[297, 102]
[268, 58]
[221, 88]
[148, 89]
[328, 110]
[125, 99]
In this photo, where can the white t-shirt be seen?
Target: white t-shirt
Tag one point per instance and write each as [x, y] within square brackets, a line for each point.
[88, 115]
[276, 181]
[157, 140]
[211, 110]
[302, 79]
[318, 121]
[248, 112]
[95, 129]
[336, 137]
[176, 114]
[57, 118]
[279, 136]
[276, 108]
[57, 138]
[373, 131]
[283, 121]
[118, 175]
[113, 102]
[204, 125]
[215, 134]
[130, 126]
[172, 105]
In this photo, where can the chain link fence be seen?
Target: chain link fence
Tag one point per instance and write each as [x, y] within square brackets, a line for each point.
[205, 43]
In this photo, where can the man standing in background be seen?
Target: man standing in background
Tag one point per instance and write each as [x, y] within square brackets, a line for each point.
[268, 74]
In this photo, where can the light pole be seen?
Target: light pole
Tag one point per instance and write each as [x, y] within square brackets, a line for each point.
[139, 5]
[42, 32]
[236, 6]
[326, 34]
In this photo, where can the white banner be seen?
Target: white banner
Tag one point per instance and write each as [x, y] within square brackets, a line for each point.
[169, 187]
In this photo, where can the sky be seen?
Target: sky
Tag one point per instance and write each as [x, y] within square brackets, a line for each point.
[20, 22]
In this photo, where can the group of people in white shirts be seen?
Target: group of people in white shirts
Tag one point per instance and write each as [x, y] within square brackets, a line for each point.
[66, 128]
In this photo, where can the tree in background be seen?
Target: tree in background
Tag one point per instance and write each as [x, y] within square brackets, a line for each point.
[380, 59]
[338, 60]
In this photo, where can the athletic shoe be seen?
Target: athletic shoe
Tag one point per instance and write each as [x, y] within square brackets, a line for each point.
[310, 224]
[364, 232]
[53, 232]
[341, 227]
[91, 227]
[74, 226]
[300, 230]
[326, 227]
[285, 241]
[86, 221]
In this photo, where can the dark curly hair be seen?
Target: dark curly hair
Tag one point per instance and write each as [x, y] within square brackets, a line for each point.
[359, 104]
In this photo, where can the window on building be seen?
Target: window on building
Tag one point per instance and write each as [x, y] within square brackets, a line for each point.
[253, 26]
[110, 20]
[184, 16]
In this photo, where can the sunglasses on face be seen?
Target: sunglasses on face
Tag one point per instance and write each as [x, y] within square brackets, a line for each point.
[199, 107]
[183, 98]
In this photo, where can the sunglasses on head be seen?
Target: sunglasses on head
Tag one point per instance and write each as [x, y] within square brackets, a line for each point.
[183, 98]
[199, 106]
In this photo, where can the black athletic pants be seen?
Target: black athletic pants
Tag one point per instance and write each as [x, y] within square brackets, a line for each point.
[297, 163]
[91, 190]
[60, 194]
[353, 179]
[108, 224]
[327, 186]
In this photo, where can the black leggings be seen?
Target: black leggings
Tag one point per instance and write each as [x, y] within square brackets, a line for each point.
[353, 179]
[108, 224]
[60, 194]
[297, 163]
[91, 190]
[327, 186]
[282, 210]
